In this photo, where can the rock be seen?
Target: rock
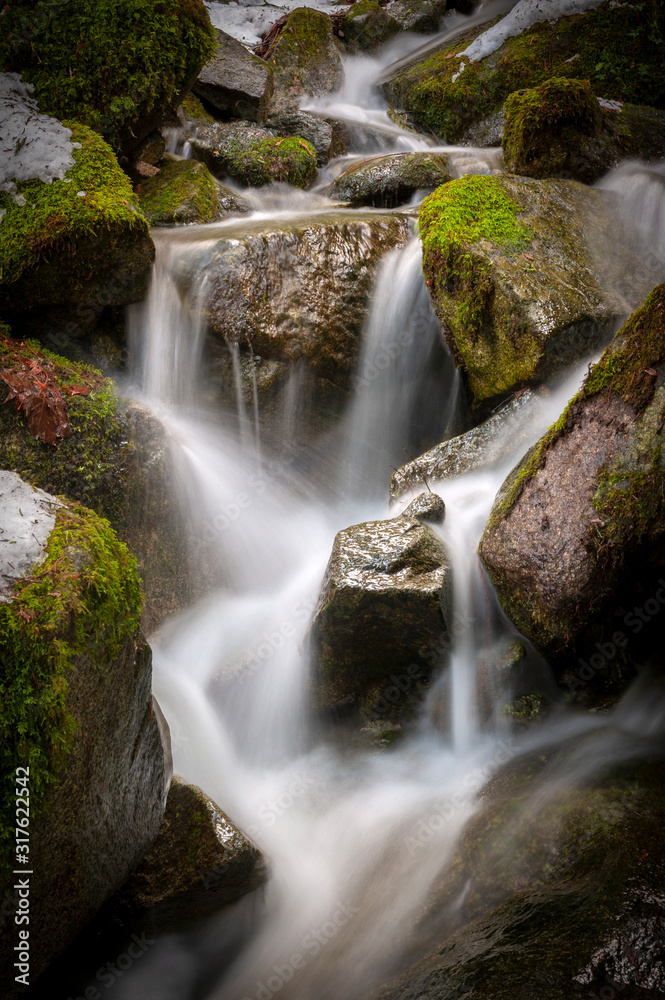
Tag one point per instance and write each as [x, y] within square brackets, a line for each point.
[448, 93]
[27, 518]
[318, 132]
[418, 15]
[304, 58]
[297, 297]
[515, 280]
[151, 149]
[367, 26]
[116, 461]
[577, 530]
[488, 444]
[234, 81]
[428, 507]
[184, 191]
[560, 130]
[385, 601]
[199, 863]
[77, 716]
[254, 156]
[80, 241]
[128, 75]
[387, 181]
[553, 886]
[192, 112]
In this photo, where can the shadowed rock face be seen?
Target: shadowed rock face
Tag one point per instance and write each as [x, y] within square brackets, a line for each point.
[381, 606]
[234, 81]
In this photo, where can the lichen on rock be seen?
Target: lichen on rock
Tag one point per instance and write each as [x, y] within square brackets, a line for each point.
[367, 25]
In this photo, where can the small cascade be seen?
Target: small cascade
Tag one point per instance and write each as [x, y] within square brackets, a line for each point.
[640, 189]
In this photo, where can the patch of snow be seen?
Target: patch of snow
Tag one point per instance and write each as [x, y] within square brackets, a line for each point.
[33, 145]
[523, 15]
[459, 71]
[27, 518]
[610, 105]
[248, 20]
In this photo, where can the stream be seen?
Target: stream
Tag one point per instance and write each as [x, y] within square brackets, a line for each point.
[356, 839]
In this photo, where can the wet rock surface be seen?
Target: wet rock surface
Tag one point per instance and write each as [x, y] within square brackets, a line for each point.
[185, 192]
[305, 59]
[235, 82]
[387, 181]
[418, 15]
[254, 156]
[367, 25]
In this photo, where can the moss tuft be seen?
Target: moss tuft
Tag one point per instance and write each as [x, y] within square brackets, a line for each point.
[110, 64]
[82, 601]
[183, 191]
[192, 109]
[292, 161]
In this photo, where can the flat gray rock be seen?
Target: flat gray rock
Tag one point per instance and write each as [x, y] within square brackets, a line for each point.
[234, 80]
[27, 518]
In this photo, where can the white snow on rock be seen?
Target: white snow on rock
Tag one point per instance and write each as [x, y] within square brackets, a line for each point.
[27, 517]
[32, 145]
[521, 17]
[610, 105]
[248, 20]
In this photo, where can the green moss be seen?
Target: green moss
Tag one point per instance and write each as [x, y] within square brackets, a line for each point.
[367, 25]
[545, 124]
[619, 50]
[84, 466]
[54, 215]
[82, 601]
[468, 210]
[107, 63]
[264, 161]
[183, 191]
[193, 110]
[305, 35]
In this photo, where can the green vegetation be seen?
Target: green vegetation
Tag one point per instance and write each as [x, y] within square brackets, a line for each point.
[56, 214]
[110, 64]
[263, 161]
[82, 601]
[367, 25]
[193, 110]
[618, 49]
[183, 191]
[544, 125]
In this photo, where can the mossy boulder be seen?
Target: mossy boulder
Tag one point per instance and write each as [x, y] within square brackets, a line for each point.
[77, 716]
[387, 181]
[367, 25]
[560, 130]
[488, 444]
[255, 156]
[235, 82]
[79, 242]
[185, 191]
[317, 131]
[296, 298]
[199, 863]
[385, 603]
[304, 58]
[117, 460]
[574, 544]
[418, 15]
[119, 68]
[517, 276]
[618, 49]
[555, 890]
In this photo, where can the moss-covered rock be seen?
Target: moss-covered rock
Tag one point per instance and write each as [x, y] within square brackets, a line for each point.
[81, 241]
[576, 533]
[367, 26]
[76, 714]
[304, 58]
[418, 15]
[119, 68]
[515, 280]
[199, 863]
[184, 191]
[317, 131]
[384, 605]
[555, 891]
[618, 49]
[234, 81]
[255, 156]
[560, 129]
[116, 461]
[387, 181]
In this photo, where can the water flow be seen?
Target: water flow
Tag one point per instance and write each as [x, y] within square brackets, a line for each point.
[640, 190]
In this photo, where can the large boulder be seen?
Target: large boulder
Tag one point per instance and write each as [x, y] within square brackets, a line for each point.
[111, 455]
[387, 181]
[518, 279]
[555, 889]
[469, 78]
[235, 82]
[79, 733]
[255, 156]
[304, 57]
[296, 299]
[184, 191]
[121, 69]
[384, 605]
[574, 544]
[560, 130]
[418, 15]
[367, 25]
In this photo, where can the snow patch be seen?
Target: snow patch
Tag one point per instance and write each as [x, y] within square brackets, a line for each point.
[248, 20]
[525, 14]
[459, 72]
[27, 518]
[33, 145]
[610, 105]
